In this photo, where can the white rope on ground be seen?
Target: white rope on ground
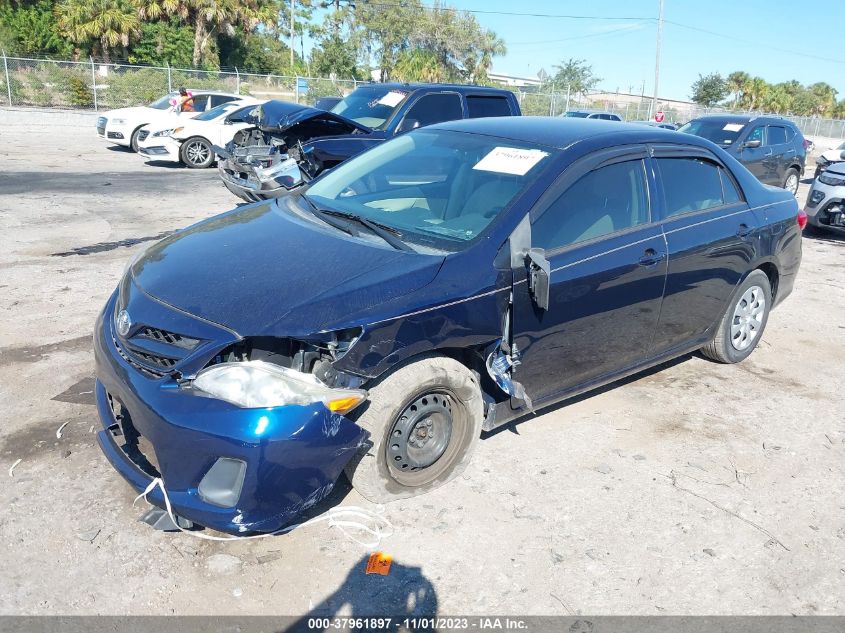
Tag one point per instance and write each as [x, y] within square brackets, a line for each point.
[340, 517]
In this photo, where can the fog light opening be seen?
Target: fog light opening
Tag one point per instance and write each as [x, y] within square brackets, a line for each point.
[222, 484]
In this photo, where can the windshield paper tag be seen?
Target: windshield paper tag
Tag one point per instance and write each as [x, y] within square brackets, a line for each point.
[733, 127]
[510, 160]
[392, 98]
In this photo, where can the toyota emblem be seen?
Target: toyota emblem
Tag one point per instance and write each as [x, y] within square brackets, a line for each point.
[123, 322]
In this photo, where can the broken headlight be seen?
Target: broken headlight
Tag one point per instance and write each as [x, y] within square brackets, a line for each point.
[257, 384]
[169, 132]
[831, 180]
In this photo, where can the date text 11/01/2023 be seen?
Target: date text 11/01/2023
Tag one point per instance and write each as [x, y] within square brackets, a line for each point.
[416, 623]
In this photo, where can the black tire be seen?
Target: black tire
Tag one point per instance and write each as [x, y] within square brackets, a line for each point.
[451, 397]
[196, 153]
[133, 140]
[791, 173]
[722, 348]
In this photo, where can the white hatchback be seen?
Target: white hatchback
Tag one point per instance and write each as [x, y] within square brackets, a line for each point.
[122, 126]
[191, 141]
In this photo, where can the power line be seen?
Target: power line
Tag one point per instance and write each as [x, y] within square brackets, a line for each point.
[752, 43]
[625, 29]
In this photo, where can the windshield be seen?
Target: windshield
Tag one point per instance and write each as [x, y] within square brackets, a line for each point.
[210, 115]
[579, 115]
[371, 106]
[436, 188]
[720, 132]
[163, 103]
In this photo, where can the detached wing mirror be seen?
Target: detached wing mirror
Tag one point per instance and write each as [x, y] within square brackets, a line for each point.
[752, 144]
[539, 274]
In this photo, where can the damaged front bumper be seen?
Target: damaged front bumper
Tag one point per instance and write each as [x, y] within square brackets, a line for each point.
[233, 469]
[257, 172]
[165, 149]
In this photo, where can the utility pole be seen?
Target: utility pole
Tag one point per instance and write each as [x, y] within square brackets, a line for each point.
[292, 27]
[657, 60]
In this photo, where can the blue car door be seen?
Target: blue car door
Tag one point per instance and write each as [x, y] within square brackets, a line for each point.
[710, 232]
[607, 260]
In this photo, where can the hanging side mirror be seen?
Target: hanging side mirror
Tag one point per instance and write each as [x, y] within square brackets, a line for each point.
[539, 275]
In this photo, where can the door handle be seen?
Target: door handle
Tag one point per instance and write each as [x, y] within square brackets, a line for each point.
[744, 230]
[651, 257]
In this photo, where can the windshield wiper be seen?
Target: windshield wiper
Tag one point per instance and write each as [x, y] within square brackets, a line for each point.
[325, 217]
[389, 234]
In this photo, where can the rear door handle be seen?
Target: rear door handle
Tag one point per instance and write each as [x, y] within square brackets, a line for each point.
[744, 230]
[651, 257]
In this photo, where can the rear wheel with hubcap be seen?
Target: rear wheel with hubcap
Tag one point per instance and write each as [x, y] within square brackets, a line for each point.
[196, 153]
[791, 181]
[424, 420]
[742, 326]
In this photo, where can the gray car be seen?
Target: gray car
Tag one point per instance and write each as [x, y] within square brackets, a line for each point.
[592, 114]
[771, 147]
[826, 201]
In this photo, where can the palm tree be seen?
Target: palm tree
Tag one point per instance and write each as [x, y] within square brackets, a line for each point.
[756, 92]
[738, 83]
[105, 22]
[210, 16]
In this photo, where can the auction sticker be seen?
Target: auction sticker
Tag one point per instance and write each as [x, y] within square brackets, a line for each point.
[733, 127]
[510, 160]
[392, 98]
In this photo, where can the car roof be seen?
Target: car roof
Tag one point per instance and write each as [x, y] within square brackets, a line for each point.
[743, 118]
[462, 88]
[561, 132]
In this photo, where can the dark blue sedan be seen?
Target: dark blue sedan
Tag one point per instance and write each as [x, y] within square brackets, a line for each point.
[443, 283]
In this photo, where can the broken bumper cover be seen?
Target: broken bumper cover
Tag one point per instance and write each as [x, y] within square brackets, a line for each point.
[291, 455]
[253, 183]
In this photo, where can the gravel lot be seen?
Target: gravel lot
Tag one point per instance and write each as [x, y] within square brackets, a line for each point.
[696, 488]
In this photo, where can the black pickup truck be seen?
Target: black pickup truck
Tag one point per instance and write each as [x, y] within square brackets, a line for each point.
[290, 144]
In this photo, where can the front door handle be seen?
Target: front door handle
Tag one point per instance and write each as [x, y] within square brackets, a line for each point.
[744, 230]
[651, 257]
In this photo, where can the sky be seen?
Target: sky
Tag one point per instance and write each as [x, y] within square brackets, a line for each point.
[772, 39]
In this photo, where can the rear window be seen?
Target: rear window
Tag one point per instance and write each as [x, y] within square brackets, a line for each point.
[487, 106]
[577, 115]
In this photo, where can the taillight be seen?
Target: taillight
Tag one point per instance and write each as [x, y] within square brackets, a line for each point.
[807, 144]
[801, 218]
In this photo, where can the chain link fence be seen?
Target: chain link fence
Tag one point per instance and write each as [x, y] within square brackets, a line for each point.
[100, 85]
[104, 86]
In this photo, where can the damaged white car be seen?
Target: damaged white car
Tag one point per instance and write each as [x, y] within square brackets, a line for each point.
[191, 141]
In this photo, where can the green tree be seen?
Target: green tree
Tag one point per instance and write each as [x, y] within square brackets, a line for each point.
[737, 83]
[576, 75]
[209, 18]
[824, 97]
[164, 42]
[257, 51]
[31, 27]
[708, 90]
[333, 56]
[105, 24]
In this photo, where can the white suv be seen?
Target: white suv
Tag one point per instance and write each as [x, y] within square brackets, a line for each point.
[121, 126]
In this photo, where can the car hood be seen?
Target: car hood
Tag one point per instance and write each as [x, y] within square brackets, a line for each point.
[261, 270]
[836, 168]
[833, 155]
[277, 116]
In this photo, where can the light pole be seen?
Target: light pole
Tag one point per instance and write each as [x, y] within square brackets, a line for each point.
[657, 60]
[292, 26]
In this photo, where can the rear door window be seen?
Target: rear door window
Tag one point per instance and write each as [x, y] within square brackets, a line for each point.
[487, 106]
[217, 100]
[434, 108]
[691, 184]
[776, 135]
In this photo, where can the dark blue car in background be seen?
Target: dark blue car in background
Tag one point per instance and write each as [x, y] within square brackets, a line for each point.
[443, 283]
